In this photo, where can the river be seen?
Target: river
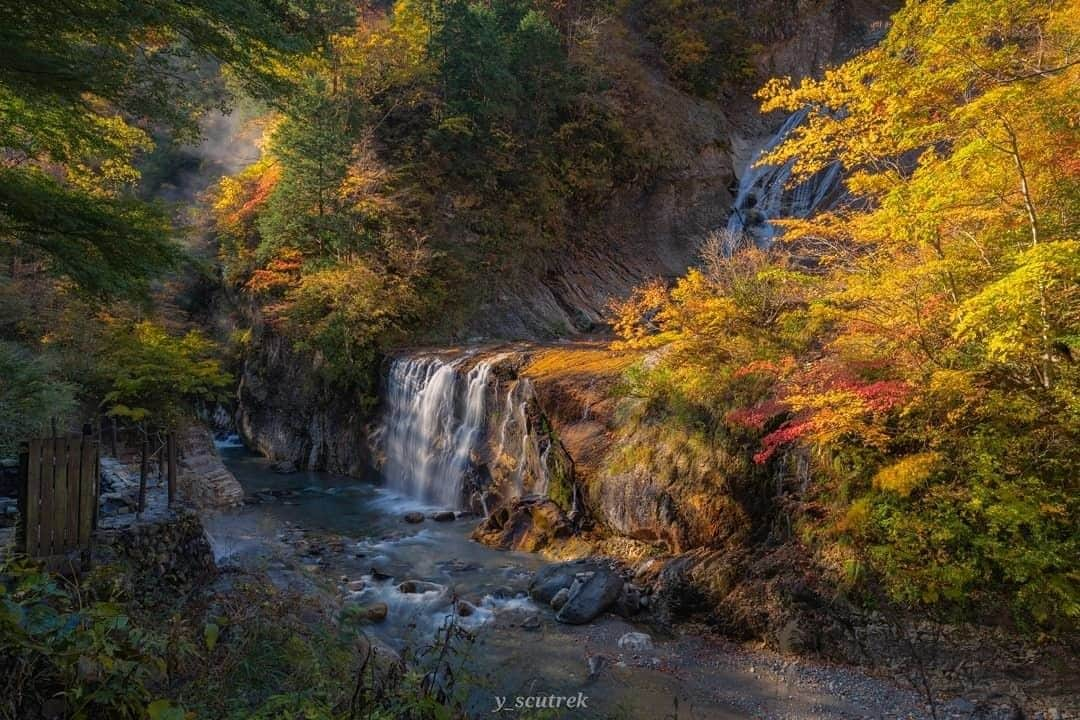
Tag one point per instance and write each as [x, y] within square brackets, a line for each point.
[320, 530]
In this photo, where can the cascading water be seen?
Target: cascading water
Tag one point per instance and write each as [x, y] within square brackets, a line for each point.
[452, 433]
[436, 415]
[519, 451]
[764, 194]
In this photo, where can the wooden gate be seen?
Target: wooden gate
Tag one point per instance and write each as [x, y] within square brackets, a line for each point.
[59, 496]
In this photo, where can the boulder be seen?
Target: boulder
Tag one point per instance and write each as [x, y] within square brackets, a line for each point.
[548, 581]
[636, 642]
[413, 517]
[465, 609]
[284, 467]
[443, 516]
[560, 599]
[595, 595]
[410, 587]
[376, 612]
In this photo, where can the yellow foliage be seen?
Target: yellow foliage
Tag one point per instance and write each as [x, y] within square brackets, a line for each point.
[904, 476]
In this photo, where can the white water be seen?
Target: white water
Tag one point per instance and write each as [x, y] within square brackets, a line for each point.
[519, 450]
[764, 194]
[435, 416]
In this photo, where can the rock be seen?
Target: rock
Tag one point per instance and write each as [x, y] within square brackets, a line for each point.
[377, 612]
[531, 623]
[548, 581]
[413, 517]
[529, 524]
[410, 587]
[636, 642]
[594, 597]
[355, 585]
[465, 609]
[379, 576]
[284, 467]
[595, 663]
[629, 602]
[560, 599]
[444, 516]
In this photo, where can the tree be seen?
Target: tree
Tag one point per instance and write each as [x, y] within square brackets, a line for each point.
[81, 85]
[154, 377]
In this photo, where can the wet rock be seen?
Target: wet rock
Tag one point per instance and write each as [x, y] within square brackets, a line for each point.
[560, 599]
[458, 566]
[379, 576]
[594, 597]
[413, 517]
[410, 587]
[531, 623]
[465, 609]
[444, 516]
[377, 612]
[636, 642]
[504, 592]
[355, 585]
[284, 467]
[528, 524]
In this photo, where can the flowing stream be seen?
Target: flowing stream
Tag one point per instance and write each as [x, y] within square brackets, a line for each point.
[310, 530]
[764, 193]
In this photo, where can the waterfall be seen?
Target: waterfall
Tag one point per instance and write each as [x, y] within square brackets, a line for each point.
[435, 416]
[519, 450]
[763, 193]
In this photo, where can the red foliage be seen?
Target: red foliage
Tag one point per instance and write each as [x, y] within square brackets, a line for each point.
[755, 417]
[789, 432]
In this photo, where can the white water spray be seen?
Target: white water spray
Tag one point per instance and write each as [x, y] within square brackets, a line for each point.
[764, 194]
[436, 415]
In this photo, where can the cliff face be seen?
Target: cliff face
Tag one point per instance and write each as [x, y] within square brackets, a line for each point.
[650, 227]
[286, 412]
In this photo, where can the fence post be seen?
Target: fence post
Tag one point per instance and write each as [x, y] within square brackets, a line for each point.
[143, 470]
[170, 441]
[24, 493]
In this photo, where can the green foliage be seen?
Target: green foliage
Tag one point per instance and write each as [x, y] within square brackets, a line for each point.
[30, 398]
[56, 642]
[701, 41]
[154, 376]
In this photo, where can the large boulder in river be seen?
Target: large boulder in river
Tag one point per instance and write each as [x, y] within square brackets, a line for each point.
[594, 595]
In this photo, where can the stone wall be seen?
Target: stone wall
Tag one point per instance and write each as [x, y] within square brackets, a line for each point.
[172, 550]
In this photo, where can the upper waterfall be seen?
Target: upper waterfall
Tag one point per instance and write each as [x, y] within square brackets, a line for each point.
[764, 194]
[435, 416]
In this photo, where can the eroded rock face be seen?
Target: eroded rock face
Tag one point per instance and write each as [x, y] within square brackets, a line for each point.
[287, 413]
[529, 524]
[203, 480]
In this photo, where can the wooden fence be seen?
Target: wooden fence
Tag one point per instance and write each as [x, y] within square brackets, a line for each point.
[59, 496]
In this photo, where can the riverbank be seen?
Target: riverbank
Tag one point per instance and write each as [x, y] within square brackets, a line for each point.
[350, 538]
